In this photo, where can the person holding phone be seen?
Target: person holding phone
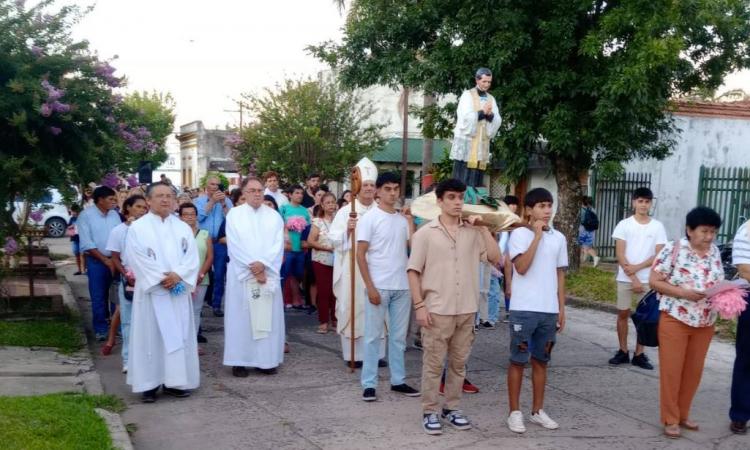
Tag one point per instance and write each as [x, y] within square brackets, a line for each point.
[212, 208]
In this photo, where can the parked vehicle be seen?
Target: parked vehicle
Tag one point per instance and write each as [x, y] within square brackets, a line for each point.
[55, 215]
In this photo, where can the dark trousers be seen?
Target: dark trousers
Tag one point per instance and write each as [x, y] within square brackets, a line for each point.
[220, 273]
[326, 299]
[100, 280]
[740, 410]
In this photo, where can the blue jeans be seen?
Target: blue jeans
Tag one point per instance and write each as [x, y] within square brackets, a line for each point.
[220, 273]
[493, 300]
[126, 313]
[532, 334]
[100, 279]
[740, 409]
[397, 305]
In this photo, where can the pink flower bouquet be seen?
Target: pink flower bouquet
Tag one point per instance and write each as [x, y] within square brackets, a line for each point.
[296, 223]
[728, 298]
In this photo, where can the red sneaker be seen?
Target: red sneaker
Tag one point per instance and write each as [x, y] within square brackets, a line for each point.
[470, 388]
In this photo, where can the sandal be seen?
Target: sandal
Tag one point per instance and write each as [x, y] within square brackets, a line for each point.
[323, 328]
[107, 349]
[689, 425]
[672, 431]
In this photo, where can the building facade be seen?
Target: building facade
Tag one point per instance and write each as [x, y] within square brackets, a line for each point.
[203, 151]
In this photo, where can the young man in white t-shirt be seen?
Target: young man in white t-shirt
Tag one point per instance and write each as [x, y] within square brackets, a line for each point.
[537, 310]
[637, 240]
[382, 238]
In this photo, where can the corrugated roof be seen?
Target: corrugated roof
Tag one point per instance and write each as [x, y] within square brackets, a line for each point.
[392, 150]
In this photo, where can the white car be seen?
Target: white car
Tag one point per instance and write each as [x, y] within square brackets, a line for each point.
[55, 215]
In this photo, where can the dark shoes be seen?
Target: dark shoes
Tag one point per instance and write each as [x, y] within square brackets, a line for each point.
[240, 372]
[738, 427]
[202, 339]
[382, 363]
[369, 395]
[218, 312]
[149, 396]
[357, 364]
[642, 362]
[271, 371]
[487, 325]
[179, 393]
[418, 343]
[406, 390]
[620, 357]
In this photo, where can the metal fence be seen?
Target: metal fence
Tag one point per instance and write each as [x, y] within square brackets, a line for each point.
[612, 203]
[727, 191]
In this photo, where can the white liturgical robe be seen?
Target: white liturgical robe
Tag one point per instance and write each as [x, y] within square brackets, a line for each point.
[471, 137]
[254, 312]
[163, 347]
[340, 238]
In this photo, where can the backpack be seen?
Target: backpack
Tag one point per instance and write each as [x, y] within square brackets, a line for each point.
[590, 221]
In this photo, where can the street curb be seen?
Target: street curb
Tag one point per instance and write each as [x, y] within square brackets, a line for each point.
[92, 382]
[591, 304]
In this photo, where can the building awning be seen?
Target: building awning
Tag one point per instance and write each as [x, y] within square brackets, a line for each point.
[392, 151]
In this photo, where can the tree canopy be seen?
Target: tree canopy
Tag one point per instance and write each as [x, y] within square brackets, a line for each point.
[62, 121]
[593, 80]
[305, 126]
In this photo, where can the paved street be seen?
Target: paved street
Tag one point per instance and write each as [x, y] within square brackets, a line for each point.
[314, 402]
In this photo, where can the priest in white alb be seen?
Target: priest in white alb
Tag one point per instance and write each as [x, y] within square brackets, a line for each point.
[340, 235]
[162, 252]
[254, 308]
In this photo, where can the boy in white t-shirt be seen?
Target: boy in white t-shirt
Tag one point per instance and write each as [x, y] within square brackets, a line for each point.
[537, 309]
[637, 240]
[382, 239]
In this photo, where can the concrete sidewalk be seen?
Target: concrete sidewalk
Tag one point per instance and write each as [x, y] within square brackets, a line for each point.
[314, 402]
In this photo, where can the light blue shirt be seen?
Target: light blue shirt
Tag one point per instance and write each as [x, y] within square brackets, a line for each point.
[211, 221]
[94, 228]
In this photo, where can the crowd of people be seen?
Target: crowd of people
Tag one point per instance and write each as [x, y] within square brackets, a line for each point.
[154, 258]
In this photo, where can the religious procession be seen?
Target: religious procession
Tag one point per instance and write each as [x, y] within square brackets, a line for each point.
[377, 225]
[382, 271]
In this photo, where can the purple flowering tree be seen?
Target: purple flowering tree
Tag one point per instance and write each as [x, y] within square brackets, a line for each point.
[62, 120]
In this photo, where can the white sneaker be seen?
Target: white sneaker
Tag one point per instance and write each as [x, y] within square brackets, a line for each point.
[596, 260]
[515, 422]
[541, 418]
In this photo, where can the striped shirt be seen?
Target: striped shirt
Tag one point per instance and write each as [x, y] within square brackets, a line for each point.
[741, 245]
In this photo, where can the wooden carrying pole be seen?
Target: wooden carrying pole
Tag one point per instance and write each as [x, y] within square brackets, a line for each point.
[356, 181]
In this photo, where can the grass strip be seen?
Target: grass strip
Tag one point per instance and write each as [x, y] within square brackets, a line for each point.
[56, 421]
[62, 334]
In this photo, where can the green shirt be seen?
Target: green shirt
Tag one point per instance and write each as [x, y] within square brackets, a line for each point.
[287, 212]
[201, 241]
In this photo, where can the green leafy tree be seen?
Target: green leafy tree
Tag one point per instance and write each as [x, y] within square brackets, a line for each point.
[149, 113]
[61, 122]
[593, 80]
[305, 126]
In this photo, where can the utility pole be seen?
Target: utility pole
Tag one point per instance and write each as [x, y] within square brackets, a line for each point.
[405, 142]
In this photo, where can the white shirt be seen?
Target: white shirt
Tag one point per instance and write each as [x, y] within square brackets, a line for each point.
[387, 235]
[116, 241]
[278, 196]
[741, 245]
[640, 244]
[536, 290]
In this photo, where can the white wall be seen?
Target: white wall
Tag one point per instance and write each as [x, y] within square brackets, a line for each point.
[709, 141]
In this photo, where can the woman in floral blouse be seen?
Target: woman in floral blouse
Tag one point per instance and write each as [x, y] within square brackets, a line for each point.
[686, 324]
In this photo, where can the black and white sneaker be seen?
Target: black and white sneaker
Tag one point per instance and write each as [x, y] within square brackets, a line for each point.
[369, 395]
[457, 418]
[406, 390]
[431, 424]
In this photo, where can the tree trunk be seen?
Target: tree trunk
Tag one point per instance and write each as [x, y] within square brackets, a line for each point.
[427, 143]
[569, 198]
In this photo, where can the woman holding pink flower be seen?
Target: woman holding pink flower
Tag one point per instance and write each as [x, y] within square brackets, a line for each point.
[681, 273]
[296, 219]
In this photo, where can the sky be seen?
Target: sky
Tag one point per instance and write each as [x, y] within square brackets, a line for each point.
[207, 53]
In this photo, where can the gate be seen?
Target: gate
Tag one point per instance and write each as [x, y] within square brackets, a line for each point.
[612, 198]
[727, 191]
